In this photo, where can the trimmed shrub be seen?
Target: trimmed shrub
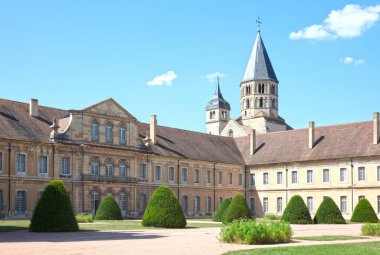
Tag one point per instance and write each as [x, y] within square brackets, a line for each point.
[252, 232]
[238, 210]
[296, 212]
[328, 213]
[364, 212]
[371, 229]
[164, 210]
[53, 212]
[271, 216]
[84, 218]
[221, 210]
[108, 210]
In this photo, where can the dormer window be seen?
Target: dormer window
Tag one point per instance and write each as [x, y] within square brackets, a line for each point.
[94, 130]
[109, 132]
[122, 134]
[231, 133]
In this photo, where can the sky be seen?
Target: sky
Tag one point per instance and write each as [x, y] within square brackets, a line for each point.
[162, 57]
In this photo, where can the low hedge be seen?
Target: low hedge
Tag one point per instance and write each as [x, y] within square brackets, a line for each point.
[328, 213]
[296, 212]
[371, 229]
[364, 212]
[108, 210]
[252, 232]
[84, 218]
[238, 210]
[219, 214]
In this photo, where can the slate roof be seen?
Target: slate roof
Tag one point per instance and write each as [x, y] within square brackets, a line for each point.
[259, 66]
[218, 102]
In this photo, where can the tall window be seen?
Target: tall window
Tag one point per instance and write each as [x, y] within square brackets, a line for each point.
[171, 174]
[208, 176]
[95, 168]
[343, 204]
[309, 174]
[122, 170]
[94, 130]
[220, 178]
[123, 201]
[265, 204]
[343, 174]
[378, 204]
[95, 200]
[122, 134]
[184, 175]
[220, 201]
[197, 204]
[21, 202]
[240, 179]
[230, 178]
[142, 171]
[109, 169]
[20, 163]
[142, 200]
[361, 173]
[326, 175]
[360, 197]
[65, 166]
[310, 204]
[109, 133]
[294, 177]
[265, 178]
[42, 165]
[252, 181]
[279, 204]
[208, 205]
[279, 178]
[252, 205]
[378, 173]
[157, 173]
[1, 163]
[196, 176]
[185, 204]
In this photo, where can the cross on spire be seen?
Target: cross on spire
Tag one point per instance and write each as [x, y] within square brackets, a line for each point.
[258, 21]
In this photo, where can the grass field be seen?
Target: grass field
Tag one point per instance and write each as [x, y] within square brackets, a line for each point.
[15, 225]
[329, 238]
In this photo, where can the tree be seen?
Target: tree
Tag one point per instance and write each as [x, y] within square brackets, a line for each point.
[164, 210]
[53, 212]
[219, 214]
[238, 209]
[296, 212]
[108, 210]
[364, 212]
[328, 213]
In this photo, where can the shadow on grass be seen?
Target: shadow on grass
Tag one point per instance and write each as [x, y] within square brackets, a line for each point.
[4, 229]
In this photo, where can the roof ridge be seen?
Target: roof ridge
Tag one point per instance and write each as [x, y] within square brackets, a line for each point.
[27, 104]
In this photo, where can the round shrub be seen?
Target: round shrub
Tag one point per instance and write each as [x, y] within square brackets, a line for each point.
[237, 210]
[221, 210]
[252, 232]
[53, 212]
[328, 213]
[296, 212]
[371, 229]
[108, 210]
[364, 212]
[164, 210]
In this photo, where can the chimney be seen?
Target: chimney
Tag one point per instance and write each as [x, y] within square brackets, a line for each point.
[33, 107]
[375, 128]
[153, 128]
[311, 134]
[252, 142]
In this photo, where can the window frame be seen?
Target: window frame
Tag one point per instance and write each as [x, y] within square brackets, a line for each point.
[344, 171]
[280, 176]
[265, 178]
[157, 173]
[240, 179]
[208, 177]
[46, 165]
[279, 205]
[95, 163]
[24, 202]
[361, 174]
[230, 178]
[184, 174]
[197, 175]
[17, 163]
[294, 177]
[143, 172]
[122, 165]
[265, 205]
[95, 130]
[310, 204]
[1, 162]
[345, 204]
[327, 170]
[123, 130]
[66, 166]
[109, 166]
[171, 173]
[252, 180]
[108, 139]
[220, 178]
[309, 180]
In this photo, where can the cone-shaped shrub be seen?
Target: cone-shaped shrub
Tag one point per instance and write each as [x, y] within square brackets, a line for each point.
[296, 212]
[164, 210]
[53, 212]
[328, 213]
[108, 210]
[237, 210]
[364, 212]
[219, 214]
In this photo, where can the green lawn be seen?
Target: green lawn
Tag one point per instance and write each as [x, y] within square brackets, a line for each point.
[14, 225]
[372, 248]
[329, 238]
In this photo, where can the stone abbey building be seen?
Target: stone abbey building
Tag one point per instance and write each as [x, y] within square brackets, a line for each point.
[104, 150]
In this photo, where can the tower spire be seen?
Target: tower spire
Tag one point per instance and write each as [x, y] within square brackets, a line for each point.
[258, 21]
[217, 91]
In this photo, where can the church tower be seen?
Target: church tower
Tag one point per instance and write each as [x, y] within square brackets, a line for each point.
[217, 113]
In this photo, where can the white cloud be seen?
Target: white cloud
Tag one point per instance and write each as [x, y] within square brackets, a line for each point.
[349, 22]
[163, 79]
[350, 60]
[211, 77]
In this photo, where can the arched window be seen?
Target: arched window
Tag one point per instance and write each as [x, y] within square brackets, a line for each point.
[123, 203]
[122, 170]
[122, 134]
[95, 200]
[261, 102]
[231, 133]
[109, 169]
[94, 130]
[109, 133]
[95, 168]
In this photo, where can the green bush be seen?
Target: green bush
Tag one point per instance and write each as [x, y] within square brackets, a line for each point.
[296, 212]
[53, 212]
[328, 213]
[84, 218]
[371, 229]
[221, 210]
[164, 210]
[252, 232]
[271, 216]
[108, 210]
[238, 210]
[364, 212]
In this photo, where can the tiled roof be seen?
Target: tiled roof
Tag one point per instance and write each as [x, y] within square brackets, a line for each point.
[331, 142]
[16, 123]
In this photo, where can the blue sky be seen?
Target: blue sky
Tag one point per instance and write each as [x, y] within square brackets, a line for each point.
[72, 54]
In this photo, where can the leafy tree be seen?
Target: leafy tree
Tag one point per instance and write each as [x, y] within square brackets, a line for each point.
[221, 210]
